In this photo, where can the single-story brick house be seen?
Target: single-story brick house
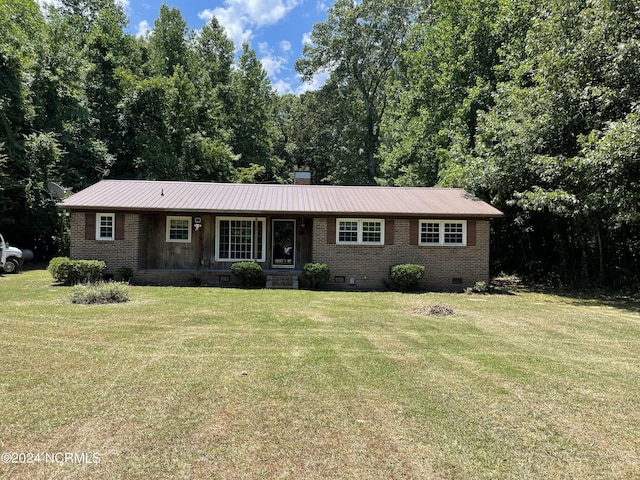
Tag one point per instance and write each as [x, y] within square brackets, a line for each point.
[177, 232]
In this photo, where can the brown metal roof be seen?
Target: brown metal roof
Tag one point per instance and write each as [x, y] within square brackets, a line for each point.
[141, 195]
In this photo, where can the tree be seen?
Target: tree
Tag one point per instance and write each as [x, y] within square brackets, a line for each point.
[111, 56]
[556, 150]
[168, 42]
[254, 132]
[447, 77]
[144, 123]
[214, 53]
[212, 70]
[59, 89]
[21, 26]
[359, 45]
[323, 130]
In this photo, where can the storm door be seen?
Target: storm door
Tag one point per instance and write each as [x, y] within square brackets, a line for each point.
[283, 247]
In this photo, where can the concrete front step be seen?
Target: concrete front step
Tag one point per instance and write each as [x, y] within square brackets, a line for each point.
[282, 281]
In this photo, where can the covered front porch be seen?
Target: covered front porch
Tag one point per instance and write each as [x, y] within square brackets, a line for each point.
[208, 244]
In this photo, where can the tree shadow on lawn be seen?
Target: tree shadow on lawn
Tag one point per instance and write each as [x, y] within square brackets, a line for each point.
[596, 298]
[587, 297]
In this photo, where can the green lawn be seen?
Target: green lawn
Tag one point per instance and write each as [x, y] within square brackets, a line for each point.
[231, 383]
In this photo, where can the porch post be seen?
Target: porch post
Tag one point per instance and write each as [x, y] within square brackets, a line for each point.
[255, 239]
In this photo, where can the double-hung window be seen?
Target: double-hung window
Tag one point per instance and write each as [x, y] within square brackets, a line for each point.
[179, 229]
[240, 239]
[105, 226]
[443, 232]
[359, 231]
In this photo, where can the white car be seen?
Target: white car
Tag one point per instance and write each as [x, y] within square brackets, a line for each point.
[10, 257]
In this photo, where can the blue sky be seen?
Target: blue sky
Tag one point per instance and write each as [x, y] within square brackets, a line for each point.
[275, 29]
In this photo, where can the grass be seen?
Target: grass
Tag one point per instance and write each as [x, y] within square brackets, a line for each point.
[235, 384]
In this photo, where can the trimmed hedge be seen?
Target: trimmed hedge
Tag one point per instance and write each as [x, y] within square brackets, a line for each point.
[315, 275]
[72, 272]
[407, 276]
[250, 273]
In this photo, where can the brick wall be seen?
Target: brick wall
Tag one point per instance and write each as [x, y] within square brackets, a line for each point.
[185, 277]
[369, 266]
[116, 253]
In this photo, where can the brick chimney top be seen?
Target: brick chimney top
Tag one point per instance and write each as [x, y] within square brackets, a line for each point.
[302, 178]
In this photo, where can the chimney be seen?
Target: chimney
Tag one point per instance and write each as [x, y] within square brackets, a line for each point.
[302, 178]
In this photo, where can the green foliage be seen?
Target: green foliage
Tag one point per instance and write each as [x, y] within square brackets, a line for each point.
[72, 272]
[359, 44]
[124, 274]
[407, 276]
[168, 46]
[531, 104]
[250, 273]
[315, 275]
[253, 173]
[55, 264]
[479, 287]
[214, 53]
[100, 293]
[253, 110]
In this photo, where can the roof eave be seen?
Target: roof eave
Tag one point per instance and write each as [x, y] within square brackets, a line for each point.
[101, 208]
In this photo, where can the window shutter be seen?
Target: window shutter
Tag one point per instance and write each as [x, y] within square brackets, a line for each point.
[89, 226]
[413, 231]
[388, 232]
[119, 233]
[331, 231]
[471, 233]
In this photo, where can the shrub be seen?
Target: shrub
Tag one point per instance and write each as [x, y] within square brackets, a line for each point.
[315, 275]
[479, 287]
[407, 276]
[249, 272]
[101, 292]
[124, 274]
[54, 266]
[72, 272]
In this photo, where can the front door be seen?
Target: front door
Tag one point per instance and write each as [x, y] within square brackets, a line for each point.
[283, 245]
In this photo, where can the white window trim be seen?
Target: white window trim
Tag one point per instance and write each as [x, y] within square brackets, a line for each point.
[359, 231]
[99, 217]
[168, 229]
[441, 242]
[263, 252]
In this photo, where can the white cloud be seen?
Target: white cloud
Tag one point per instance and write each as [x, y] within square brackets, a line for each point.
[272, 63]
[282, 87]
[143, 29]
[233, 25]
[239, 16]
[285, 46]
[263, 48]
